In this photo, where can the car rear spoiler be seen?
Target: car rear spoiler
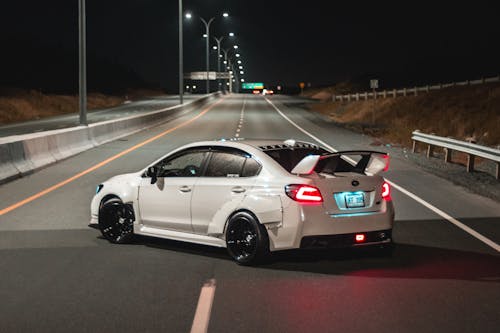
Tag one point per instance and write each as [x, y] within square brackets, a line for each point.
[365, 161]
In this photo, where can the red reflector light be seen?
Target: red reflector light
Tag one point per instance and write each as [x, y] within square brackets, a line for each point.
[304, 193]
[360, 238]
[386, 158]
[386, 191]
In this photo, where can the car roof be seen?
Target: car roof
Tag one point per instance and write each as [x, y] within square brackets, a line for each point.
[260, 144]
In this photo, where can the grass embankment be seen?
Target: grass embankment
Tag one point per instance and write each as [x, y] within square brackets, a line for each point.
[19, 105]
[459, 112]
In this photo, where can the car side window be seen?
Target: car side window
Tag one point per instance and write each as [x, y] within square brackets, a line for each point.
[251, 168]
[185, 165]
[223, 164]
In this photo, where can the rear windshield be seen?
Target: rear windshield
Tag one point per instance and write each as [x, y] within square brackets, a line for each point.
[289, 157]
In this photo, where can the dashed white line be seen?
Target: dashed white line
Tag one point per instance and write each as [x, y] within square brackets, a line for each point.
[421, 201]
[240, 125]
[202, 314]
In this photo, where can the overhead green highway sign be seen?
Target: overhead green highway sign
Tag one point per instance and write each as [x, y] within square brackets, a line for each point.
[252, 85]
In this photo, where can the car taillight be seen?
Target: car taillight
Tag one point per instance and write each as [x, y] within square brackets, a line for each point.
[304, 193]
[386, 191]
[360, 238]
[386, 159]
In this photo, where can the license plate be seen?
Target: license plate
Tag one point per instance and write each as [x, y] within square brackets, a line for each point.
[354, 200]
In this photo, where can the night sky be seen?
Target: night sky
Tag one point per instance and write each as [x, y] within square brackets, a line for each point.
[133, 43]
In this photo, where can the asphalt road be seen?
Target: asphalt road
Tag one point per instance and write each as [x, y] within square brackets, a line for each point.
[94, 116]
[59, 276]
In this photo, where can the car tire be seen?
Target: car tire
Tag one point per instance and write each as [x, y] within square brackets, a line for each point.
[247, 241]
[116, 221]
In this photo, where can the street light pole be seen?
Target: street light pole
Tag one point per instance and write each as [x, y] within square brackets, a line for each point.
[82, 60]
[207, 26]
[218, 40]
[181, 56]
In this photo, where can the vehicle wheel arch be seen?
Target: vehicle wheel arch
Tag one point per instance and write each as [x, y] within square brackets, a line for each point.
[109, 197]
[241, 210]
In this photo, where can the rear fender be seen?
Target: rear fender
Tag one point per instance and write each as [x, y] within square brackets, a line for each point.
[266, 207]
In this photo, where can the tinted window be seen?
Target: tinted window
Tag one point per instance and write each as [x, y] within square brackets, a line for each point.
[225, 165]
[185, 165]
[288, 158]
[251, 168]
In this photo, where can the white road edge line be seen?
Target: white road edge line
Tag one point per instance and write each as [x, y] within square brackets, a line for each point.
[421, 201]
[202, 314]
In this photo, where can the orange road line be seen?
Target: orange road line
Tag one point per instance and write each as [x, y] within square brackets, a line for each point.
[103, 163]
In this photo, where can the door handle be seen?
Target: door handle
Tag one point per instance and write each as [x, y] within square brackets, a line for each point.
[185, 189]
[238, 189]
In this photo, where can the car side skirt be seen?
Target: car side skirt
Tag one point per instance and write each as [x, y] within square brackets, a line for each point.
[179, 236]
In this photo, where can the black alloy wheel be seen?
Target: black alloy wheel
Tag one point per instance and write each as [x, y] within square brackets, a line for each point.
[116, 221]
[246, 239]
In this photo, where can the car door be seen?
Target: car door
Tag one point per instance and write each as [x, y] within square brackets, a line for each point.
[229, 175]
[166, 203]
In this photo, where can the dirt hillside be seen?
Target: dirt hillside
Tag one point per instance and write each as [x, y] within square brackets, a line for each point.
[465, 112]
[21, 105]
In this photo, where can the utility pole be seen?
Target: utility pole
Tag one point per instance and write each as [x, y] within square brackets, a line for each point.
[181, 56]
[82, 62]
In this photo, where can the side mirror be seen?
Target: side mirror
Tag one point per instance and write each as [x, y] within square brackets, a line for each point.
[153, 173]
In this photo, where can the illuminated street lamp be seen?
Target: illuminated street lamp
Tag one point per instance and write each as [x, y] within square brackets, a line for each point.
[219, 56]
[207, 24]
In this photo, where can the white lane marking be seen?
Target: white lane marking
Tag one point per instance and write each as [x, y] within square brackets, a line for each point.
[421, 201]
[242, 113]
[202, 314]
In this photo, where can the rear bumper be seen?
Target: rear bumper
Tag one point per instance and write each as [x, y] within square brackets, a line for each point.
[379, 237]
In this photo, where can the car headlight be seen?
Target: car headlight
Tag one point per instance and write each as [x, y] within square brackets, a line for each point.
[99, 188]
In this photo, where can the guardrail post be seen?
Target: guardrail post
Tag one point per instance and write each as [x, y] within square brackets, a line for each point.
[415, 91]
[447, 155]
[384, 94]
[349, 97]
[470, 162]
[404, 92]
[427, 88]
[366, 96]
[430, 150]
[414, 148]
[357, 96]
[394, 93]
[498, 171]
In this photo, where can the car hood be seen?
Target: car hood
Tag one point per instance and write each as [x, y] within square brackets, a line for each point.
[125, 178]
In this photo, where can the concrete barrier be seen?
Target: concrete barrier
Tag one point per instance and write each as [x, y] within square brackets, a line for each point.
[23, 154]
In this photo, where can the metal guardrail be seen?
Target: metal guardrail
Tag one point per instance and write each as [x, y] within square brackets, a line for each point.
[471, 149]
[413, 91]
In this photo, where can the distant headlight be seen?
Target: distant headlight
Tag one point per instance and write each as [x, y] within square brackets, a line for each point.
[99, 188]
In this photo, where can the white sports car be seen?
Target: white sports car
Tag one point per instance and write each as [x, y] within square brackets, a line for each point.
[252, 197]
